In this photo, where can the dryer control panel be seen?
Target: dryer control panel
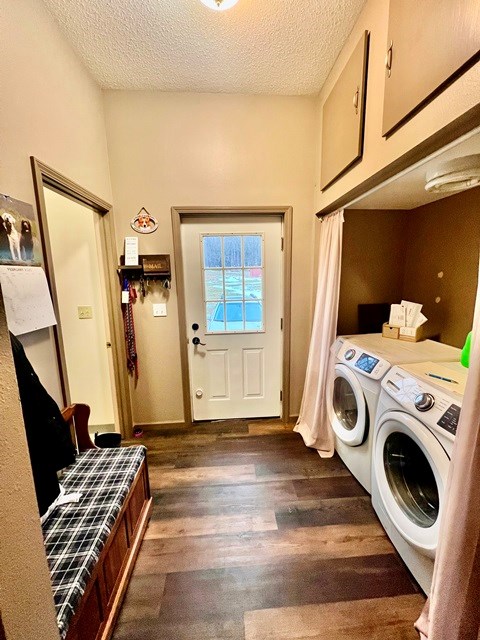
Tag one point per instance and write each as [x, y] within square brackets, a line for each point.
[438, 410]
[362, 361]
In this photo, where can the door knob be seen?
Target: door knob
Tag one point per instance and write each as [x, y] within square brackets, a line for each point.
[196, 341]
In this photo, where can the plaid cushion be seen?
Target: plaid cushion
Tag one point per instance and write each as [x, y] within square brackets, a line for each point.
[76, 533]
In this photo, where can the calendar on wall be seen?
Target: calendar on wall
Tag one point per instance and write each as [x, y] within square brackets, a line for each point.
[28, 304]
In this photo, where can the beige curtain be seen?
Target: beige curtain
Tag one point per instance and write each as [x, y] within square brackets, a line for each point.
[453, 609]
[313, 422]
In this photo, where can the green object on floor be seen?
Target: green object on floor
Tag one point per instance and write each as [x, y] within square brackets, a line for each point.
[465, 355]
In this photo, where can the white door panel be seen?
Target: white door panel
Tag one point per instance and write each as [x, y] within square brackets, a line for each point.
[234, 291]
[218, 369]
[253, 373]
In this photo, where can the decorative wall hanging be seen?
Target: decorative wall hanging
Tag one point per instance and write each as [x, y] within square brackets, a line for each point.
[143, 222]
[19, 236]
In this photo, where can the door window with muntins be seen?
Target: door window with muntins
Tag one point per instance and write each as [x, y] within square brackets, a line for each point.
[233, 277]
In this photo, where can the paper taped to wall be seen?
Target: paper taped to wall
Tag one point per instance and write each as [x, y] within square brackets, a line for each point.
[28, 304]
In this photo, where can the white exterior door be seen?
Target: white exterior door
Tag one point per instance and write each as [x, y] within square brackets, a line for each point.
[233, 268]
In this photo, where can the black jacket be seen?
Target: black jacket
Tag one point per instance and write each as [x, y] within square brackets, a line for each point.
[48, 435]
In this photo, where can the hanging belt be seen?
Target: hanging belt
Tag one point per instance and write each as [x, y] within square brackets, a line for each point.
[129, 327]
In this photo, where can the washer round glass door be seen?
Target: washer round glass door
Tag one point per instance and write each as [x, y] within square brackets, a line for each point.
[347, 407]
[411, 468]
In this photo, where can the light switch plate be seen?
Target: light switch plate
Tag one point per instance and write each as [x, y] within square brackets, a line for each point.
[159, 310]
[85, 313]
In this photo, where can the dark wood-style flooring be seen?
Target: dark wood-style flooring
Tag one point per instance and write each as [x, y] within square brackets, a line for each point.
[255, 537]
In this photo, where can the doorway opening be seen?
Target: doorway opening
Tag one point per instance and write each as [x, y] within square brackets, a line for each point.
[233, 269]
[79, 252]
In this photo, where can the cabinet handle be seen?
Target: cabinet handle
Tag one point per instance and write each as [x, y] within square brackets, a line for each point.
[388, 59]
[355, 99]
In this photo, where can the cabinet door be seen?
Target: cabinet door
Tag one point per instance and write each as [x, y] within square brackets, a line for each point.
[343, 117]
[430, 43]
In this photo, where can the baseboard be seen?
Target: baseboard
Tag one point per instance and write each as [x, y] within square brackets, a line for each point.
[158, 426]
[180, 424]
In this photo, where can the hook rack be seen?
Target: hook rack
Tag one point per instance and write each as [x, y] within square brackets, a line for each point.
[154, 266]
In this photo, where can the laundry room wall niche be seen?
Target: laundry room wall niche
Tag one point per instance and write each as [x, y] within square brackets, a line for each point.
[428, 255]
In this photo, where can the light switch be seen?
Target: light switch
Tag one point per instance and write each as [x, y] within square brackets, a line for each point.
[85, 313]
[159, 310]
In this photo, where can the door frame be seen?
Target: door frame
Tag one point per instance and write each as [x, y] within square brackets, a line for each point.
[285, 213]
[45, 176]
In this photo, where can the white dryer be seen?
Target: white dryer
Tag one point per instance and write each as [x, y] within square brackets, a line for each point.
[413, 438]
[361, 362]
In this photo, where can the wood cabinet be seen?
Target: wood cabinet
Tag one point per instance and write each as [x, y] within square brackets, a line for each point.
[343, 117]
[430, 43]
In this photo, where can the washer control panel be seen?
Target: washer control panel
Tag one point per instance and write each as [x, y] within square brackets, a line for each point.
[361, 361]
[437, 409]
[449, 420]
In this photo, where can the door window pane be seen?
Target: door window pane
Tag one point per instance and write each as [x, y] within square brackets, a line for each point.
[233, 284]
[215, 316]
[234, 316]
[212, 251]
[252, 248]
[232, 249]
[233, 277]
[253, 316]
[213, 284]
[253, 284]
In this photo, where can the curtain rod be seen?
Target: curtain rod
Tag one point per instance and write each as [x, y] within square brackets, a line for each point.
[324, 216]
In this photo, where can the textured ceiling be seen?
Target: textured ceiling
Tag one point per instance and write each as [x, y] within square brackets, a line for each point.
[259, 46]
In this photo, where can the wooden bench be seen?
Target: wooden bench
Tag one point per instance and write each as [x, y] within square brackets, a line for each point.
[96, 612]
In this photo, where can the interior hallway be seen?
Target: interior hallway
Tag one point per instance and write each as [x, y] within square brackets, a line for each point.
[253, 536]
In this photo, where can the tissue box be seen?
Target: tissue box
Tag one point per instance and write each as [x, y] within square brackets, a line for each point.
[390, 332]
[411, 334]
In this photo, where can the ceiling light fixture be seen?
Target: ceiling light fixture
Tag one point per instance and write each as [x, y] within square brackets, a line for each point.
[455, 175]
[219, 5]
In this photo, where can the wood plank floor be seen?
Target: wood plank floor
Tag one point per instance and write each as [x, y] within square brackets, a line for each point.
[255, 537]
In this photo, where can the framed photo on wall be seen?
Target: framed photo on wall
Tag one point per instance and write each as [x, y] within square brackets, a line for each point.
[19, 233]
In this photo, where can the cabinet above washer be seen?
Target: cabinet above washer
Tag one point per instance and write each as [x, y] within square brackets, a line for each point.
[343, 117]
[430, 43]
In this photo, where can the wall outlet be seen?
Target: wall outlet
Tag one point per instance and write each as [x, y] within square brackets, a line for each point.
[85, 313]
[159, 310]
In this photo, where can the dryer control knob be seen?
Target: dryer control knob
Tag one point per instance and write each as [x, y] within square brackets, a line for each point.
[350, 354]
[424, 401]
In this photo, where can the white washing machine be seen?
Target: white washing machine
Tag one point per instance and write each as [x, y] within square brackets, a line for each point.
[413, 439]
[361, 362]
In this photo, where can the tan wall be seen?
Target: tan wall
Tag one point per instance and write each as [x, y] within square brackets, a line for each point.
[373, 257]
[51, 109]
[445, 236]
[378, 152]
[218, 150]
[76, 264]
[26, 600]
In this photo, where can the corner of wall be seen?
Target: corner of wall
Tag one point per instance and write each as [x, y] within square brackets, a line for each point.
[26, 599]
